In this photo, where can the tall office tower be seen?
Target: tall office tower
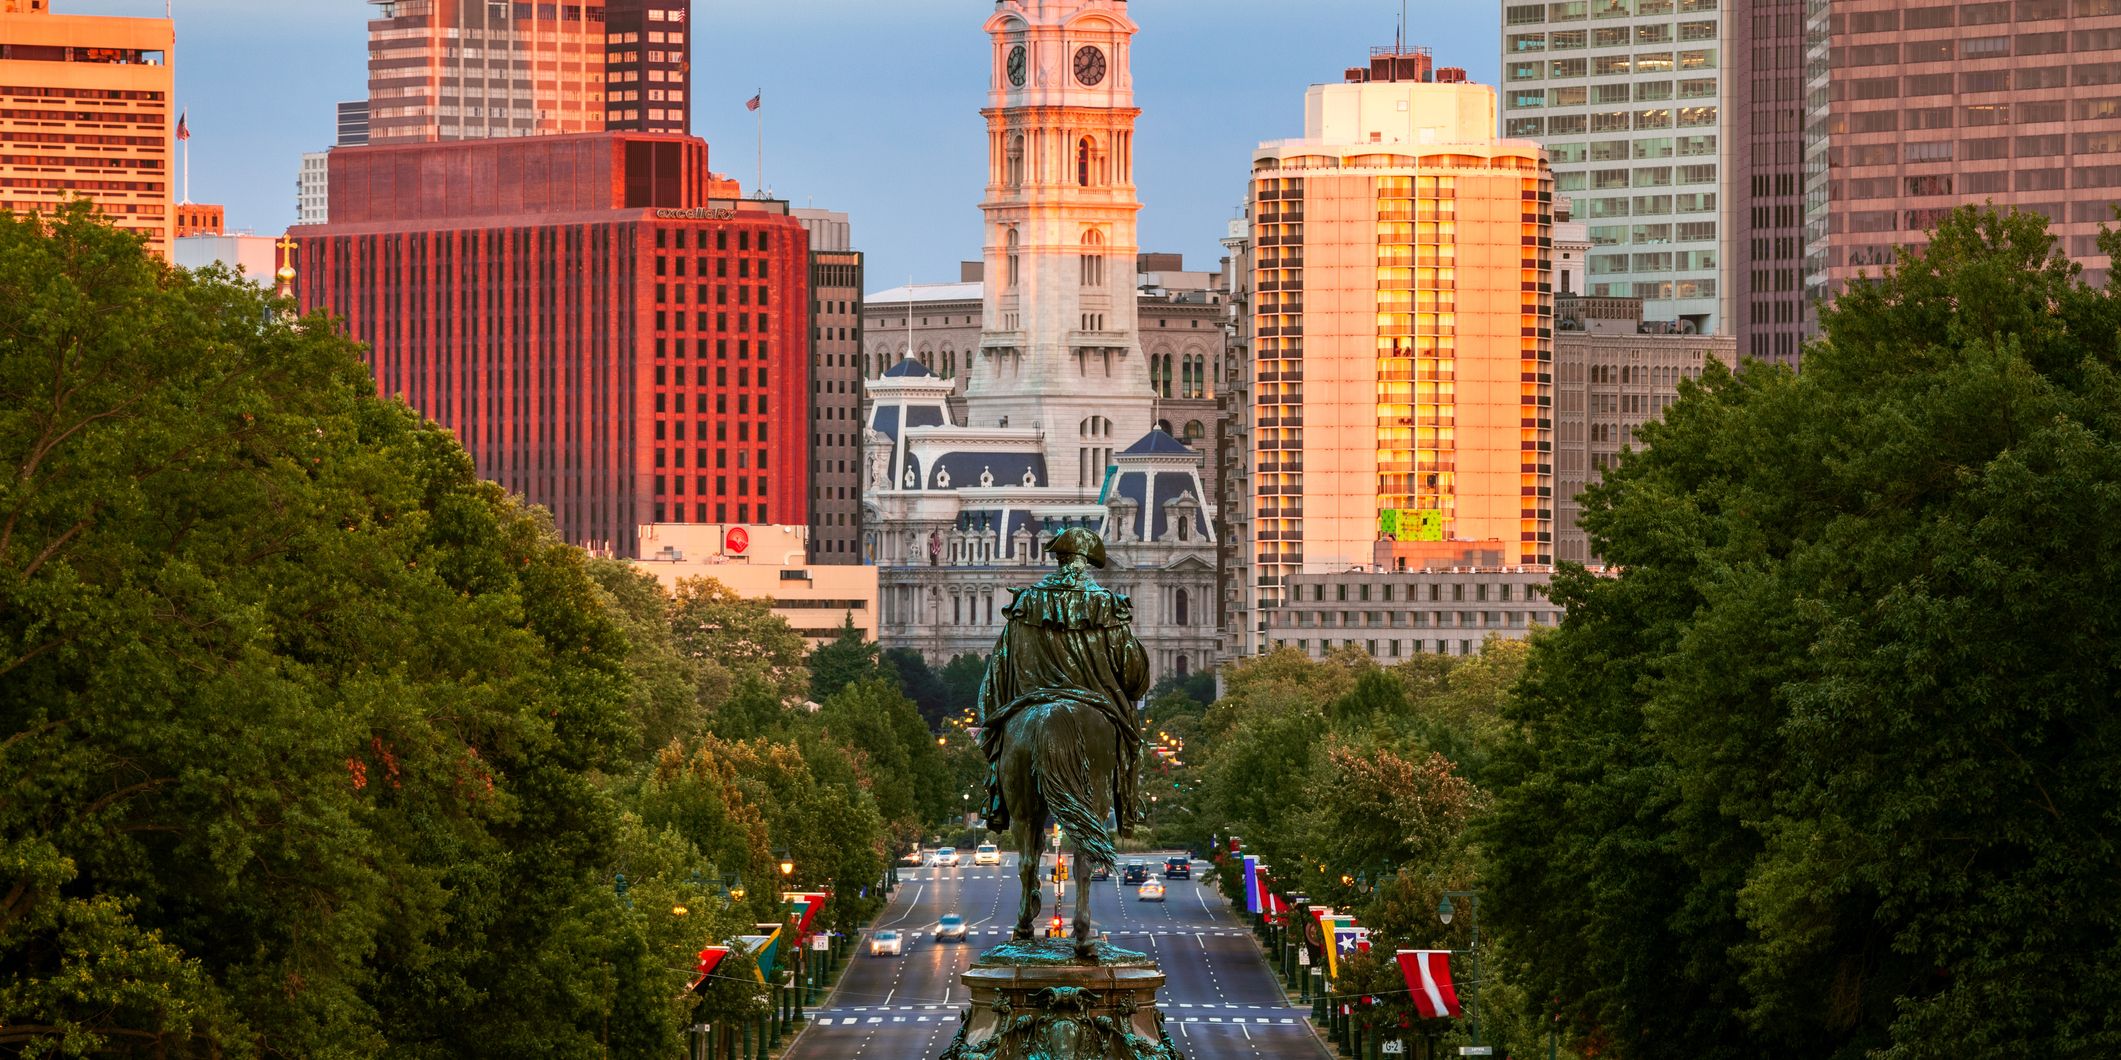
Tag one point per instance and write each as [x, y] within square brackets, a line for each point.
[601, 338]
[1912, 111]
[1764, 217]
[1631, 100]
[85, 113]
[353, 123]
[1057, 409]
[835, 388]
[647, 66]
[471, 69]
[1237, 622]
[313, 189]
[1402, 331]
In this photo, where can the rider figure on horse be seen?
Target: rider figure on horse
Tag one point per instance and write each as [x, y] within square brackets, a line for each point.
[1066, 640]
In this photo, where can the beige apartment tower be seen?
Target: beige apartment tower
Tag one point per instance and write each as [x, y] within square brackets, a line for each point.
[1402, 387]
[469, 69]
[85, 113]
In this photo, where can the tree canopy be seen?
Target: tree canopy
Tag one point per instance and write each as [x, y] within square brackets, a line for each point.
[314, 744]
[1827, 768]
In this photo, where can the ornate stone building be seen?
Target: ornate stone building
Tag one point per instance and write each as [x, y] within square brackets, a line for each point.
[1060, 402]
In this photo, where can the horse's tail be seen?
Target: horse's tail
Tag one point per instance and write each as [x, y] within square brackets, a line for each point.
[1061, 770]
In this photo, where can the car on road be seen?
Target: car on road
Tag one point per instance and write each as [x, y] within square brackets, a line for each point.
[950, 929]
[915, 857]
[886, 943]
[1178, 868]
[946, 857]
[1151, 891]
[1134, 873]
[987, 854]
[1101, 872]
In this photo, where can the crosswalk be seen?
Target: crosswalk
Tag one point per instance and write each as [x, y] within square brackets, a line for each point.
[1250, 1015]
[914, 933]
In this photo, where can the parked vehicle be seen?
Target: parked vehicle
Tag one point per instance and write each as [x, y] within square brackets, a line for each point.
[886, 943]
[950, 929]
[1178, 868]
[1134, 873]
[1151, 891]
[987, 854]
[946, 857]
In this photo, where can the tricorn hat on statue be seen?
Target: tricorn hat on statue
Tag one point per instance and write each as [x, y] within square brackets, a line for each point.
[1077, 541]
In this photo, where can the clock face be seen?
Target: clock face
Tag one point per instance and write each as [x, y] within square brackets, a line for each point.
[1089, 65]
[1016, 66]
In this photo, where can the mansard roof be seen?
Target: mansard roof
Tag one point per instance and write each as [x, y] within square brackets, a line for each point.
[1157, 443]
[908, 368]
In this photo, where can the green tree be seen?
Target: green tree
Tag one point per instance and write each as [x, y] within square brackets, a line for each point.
[849, 657]
[713, 624]
[920, 683]
[961, 678]
[300, 723]
[1825, 769]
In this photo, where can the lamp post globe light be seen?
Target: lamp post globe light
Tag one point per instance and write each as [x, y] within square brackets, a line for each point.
[1445, 911]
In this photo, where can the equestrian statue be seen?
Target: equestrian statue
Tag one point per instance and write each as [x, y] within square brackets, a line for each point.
[1057, 721]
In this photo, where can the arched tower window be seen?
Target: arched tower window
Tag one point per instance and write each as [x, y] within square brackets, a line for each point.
[1016, 161]
[1184, 615]
[1082, 161]
[1012, 258]
[1093, 259]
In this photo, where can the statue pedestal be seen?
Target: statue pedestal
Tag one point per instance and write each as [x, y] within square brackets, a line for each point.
[1038, 1001]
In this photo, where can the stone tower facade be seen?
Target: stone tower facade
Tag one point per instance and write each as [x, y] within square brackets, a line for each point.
[1059, 350]
[1059, 423]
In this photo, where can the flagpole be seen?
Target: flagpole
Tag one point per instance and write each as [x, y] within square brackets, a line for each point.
[760, 114]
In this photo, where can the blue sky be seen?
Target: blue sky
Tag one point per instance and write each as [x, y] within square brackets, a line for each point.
[872, 106]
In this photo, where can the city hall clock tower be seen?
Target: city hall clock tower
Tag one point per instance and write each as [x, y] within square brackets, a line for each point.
[1058, 349]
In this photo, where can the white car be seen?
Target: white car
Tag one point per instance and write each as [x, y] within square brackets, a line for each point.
[946, 857]
[1151, 891]
[951, 928]
[885, 944]
[987, 854]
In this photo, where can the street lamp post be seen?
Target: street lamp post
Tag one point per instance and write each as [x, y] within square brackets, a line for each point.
[1444, 912]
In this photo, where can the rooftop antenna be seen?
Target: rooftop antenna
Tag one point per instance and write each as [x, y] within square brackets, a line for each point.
[1399, 41]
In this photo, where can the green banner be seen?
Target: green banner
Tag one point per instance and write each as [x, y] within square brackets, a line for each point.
[1410, 524]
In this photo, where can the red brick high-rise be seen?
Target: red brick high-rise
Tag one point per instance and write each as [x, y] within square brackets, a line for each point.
[603, 337]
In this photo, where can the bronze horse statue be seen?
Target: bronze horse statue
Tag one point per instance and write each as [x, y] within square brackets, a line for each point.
[1058, 727]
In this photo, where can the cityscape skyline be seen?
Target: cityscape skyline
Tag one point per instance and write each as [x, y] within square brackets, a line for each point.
[251, 120]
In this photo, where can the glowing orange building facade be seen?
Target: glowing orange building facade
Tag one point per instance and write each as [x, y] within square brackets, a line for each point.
[603, 336]
[85, 112]
[471, 69]
[1402, 389]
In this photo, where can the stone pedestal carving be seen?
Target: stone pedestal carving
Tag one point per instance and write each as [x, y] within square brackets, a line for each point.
[1038, 1001]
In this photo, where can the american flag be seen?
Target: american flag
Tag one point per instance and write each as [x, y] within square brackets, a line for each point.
[183, 125]
[753, 102]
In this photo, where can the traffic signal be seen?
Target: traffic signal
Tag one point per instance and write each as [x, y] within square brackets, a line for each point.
[1053, 931]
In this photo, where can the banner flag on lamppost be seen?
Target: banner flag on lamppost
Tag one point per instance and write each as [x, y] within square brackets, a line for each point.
[1251, 883]
[1348, 939]
[709, 958]
[1428, 975]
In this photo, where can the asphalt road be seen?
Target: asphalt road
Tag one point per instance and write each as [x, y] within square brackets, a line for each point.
[1220, 1000]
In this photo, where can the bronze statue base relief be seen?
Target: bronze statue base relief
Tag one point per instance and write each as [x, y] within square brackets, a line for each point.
[1037, 1000]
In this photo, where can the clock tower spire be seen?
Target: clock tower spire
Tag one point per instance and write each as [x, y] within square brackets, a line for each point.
[1058, 349]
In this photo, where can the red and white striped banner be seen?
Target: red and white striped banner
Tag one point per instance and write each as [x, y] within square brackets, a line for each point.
[1428, 975]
